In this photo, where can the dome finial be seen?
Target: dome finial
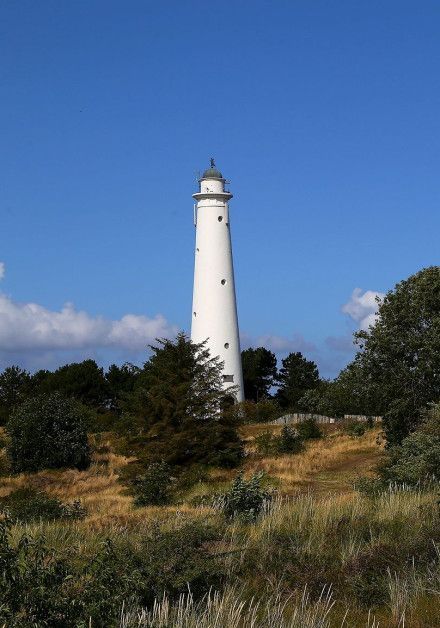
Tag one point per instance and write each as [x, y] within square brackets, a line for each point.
[212, 172]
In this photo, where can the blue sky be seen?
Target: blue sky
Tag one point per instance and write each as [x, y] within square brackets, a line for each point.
[324, 116]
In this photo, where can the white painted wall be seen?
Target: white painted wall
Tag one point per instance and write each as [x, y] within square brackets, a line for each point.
[214, 313]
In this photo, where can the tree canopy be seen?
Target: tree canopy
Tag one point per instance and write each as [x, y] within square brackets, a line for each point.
[259, 372]
[15, 384]
[48, 432]
[83, 380]
[398, 365]
[295, 377]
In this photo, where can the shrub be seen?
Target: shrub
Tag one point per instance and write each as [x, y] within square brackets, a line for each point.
[245, 498]
[248, 411]
[309, 429]
[265, 443]
[289, 441]
[416, 461]
[48, 432]
[40, 588]
[26, 505]
[31, 584]
[370, 487]
[153, 487]
[355, 428]
[267, 410]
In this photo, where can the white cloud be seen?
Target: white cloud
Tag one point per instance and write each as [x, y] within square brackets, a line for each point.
[2, 270]
[27, 327]
[362, 307]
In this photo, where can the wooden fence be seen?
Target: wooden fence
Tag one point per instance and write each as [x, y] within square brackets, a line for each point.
[297, 417]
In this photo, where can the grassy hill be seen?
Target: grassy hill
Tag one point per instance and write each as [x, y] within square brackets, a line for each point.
[322, 555]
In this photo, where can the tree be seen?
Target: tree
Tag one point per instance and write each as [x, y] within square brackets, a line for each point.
[83, 380]
[14, 385]
[295, 377]
[399, 358]
[259, 372]
[121, 381]
[181, 404]
[48, 432]
[347, 394]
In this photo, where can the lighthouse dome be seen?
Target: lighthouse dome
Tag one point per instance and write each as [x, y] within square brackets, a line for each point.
[212, 172]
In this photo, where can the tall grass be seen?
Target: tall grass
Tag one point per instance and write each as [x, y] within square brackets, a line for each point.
[230, 609]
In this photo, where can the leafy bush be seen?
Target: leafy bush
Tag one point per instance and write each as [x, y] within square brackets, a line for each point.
[265, 443]
[416, 461]
[153, 487]
[25, 505]
[289, 441]
[48, 432]
[40, 588]
[309, 429]
[252, 412]
[163, 562]
[245, 498]
[31, 584]
[370, 487]
[355, 428]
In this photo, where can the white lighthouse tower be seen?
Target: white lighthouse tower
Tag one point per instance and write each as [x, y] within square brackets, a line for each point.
[214, 315]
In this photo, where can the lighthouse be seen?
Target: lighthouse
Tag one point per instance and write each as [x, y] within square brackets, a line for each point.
[214, 312]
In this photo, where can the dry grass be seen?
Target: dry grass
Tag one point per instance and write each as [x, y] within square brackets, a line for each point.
[328, 464]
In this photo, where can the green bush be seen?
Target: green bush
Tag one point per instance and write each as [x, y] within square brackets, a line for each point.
[309, 429]
[154, 486]
[370, 487]
[355, 428]
[245, 498]
[289, 441]
[33, 584]
[48, 432]
[25, 505]
[416, 461]
[265, 443]
[40, 588]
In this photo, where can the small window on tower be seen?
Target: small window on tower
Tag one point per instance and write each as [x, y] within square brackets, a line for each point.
[226, 345]
[220, 218]
[228, 378]
[195, 313]
[223, 282]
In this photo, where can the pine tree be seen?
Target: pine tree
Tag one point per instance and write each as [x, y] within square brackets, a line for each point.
[181, 400]
[295, 377]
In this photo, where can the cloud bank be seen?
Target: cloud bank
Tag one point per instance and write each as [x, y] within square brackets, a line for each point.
[30, 327]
